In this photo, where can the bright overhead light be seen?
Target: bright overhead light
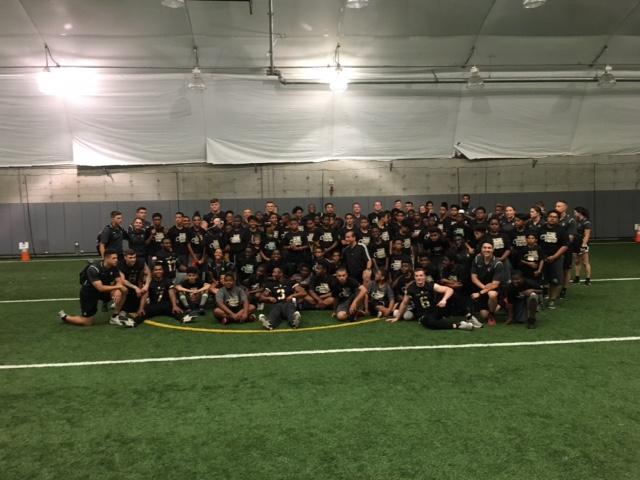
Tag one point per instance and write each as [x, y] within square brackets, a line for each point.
[475, 79]
[196, 82]
[67, 82]
[357, 3]
[533, 3]
[173, 3]
[606, 79]
[338, 81]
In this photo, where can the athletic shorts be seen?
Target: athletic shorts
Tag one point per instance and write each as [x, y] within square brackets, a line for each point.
[554, 272]
[89, 301]
[567, 260]
[344, 305]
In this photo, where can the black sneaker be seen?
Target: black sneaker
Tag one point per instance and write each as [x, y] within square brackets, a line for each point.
[576, 279]
[201, 312]
[563, 294]
[531, 323]
[587, 282]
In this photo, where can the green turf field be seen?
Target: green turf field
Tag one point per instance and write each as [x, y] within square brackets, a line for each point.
[522, 412]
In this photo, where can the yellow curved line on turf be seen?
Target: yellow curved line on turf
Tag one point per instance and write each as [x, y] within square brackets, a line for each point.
[287, 330]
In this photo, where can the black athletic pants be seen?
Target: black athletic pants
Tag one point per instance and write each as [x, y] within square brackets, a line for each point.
[281, 311]
[156, 310]
[434, 321]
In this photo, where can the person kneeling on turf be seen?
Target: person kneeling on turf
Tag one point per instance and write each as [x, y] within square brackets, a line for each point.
[280, 293]
[523, 296]
[193, 292]
[428, 310]
[232, 302]
[160, 300]
[100, 281]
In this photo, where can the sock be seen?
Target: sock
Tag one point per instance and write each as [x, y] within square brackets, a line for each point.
[203, 300]
[183, 300]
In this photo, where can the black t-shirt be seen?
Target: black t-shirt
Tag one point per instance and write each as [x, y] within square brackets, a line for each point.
[487, 272]
[97, 271]
[279, 290]
[434, 249]
[136, 240]
[112, 237]
[132, 273]
[378, 251]
[343, 291]
[297, 239]
[552, 239]
[355, 258]
[195, 236]
[198, 284]
[515, 293]
[169, 262]
[214, 240]
[518, 244]
[581, 227]
[270, 243]
[159, 290]
[530, 254]
[179, 239]
[455, 273]
[245, 267]
[157, 235]
[320, 285]
[424, 298]
[237, 239]
[326, 237]
[501, 243]
[395, 263]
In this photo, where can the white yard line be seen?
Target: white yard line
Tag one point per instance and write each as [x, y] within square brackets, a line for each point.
[229, 356]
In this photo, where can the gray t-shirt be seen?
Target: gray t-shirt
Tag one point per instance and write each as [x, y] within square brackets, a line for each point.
[233, 298]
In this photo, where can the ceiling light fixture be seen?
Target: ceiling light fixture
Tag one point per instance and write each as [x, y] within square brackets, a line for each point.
[65, 82]
[173, 3]
[529, 4]
[338, 81]
[197, 82]
[357, 3]
[475, 79]
[607, 79]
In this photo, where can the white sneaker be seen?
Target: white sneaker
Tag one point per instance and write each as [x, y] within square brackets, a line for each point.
[115, 320]
[187, 319]
[265, 322]
[295, 323]
[62, 315]
[129, 323]
[475, 322]
[465, 325]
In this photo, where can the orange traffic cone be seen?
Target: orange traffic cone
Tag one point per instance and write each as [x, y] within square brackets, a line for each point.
[638, 236]
[25, 257]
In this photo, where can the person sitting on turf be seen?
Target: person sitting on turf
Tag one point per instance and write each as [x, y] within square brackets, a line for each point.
[193, 292]
[161, 299]
[101, 281]
[380, 297]
[348, 295]
[282, 294]
[232, 303]
[486, 278]
[428, 309]
[319, 290]
[522, 300]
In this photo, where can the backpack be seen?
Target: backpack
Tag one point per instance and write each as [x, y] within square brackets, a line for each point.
[99, 235]
[83, 273]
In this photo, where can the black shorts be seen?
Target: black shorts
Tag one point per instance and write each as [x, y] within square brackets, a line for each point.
[554, 272]
[132, 302]
[89, 301]
[567, 260]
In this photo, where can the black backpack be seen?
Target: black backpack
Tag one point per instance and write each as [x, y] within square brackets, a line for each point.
[83, 273]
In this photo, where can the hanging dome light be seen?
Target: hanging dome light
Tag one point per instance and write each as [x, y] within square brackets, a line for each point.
[357, 3]
[606, 79]
[196, 83]
[533, 3]
[338, 81]
[173, 3]
[475, 79]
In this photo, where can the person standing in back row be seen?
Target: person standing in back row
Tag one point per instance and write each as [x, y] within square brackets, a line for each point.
[112, 235]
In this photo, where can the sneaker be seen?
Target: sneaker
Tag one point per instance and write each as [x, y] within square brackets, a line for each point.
[115, 320]
[129, 323]
[123, 316]
[112, 305]
[62, 315]
[491, 320]
[587, 282]
[551, 305]
[465, 325]
[265, 323]
[474, 321]
[187, 319]
[224, 320]
[295, 323]
[576, 279]
[201, 312]
[379, 314]
[563, 294]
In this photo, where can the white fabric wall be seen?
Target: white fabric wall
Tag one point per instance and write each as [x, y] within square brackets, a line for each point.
[155, 119]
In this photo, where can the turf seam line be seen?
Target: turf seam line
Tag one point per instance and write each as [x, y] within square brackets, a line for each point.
[228, 356]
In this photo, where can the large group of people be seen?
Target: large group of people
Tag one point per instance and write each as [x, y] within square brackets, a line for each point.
[450, 267]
